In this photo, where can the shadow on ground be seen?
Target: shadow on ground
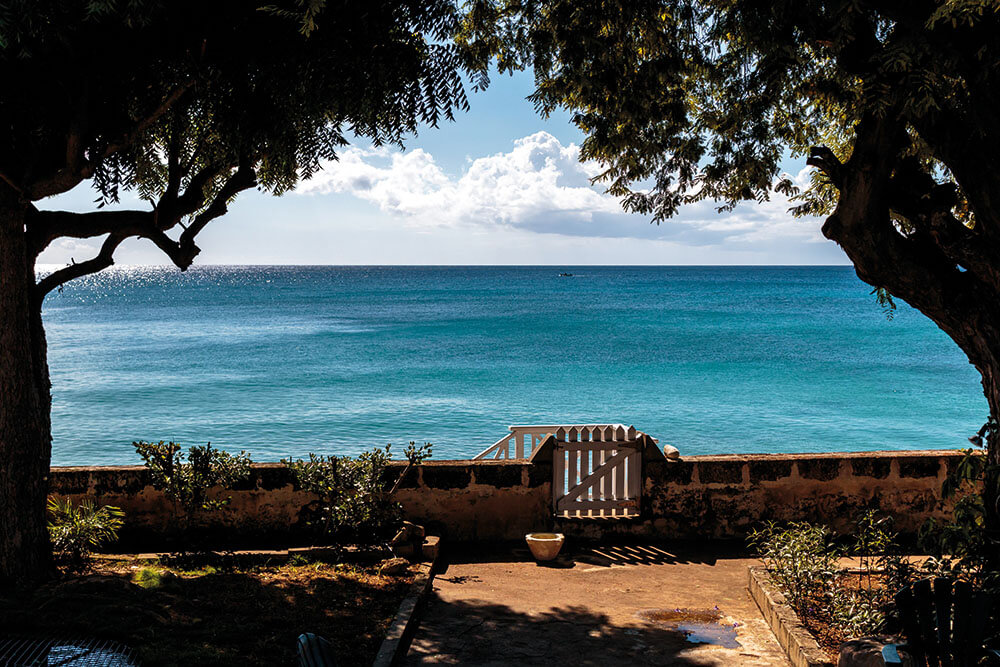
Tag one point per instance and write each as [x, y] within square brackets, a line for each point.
[479, 633]
[594, 554]
[214, 618]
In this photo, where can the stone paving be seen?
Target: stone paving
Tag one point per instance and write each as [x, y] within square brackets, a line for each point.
[603, 605]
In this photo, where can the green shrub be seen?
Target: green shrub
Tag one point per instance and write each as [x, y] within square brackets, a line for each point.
[800, 558]
[962, 547]
[187, 478]
[883, 565]
[153, 577]
[355, 505]
[77, 531]
[858, 612]
[802, 561]
[882, 571]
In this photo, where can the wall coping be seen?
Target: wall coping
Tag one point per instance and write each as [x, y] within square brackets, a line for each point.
[887, 453]
[702, 458]
[719, 496]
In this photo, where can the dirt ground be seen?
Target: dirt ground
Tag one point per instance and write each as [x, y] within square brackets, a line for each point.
[594, 605]
[220, 613]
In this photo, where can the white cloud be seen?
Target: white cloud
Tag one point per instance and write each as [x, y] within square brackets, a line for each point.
[537, 179]
[76, 245]
[538, 186]
[530, 205]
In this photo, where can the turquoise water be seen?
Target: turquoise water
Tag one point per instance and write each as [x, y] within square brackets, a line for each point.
[286, 360]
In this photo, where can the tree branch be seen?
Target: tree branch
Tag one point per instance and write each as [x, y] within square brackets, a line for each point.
[46, 226]
[120, 224]
[915, 271]
[11, 182]
[927, 205]
[104, 259]
[826, 161]
[78, 169]
[243, 178]
[969, 150]
[171, 207]
[181, 254]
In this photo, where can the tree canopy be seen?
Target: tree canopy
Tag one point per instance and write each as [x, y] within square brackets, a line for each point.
[188, 103]
[685, 100]
[704, 99]
[185, 104]
[895, 103]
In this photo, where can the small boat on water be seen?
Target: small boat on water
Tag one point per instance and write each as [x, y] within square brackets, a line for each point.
[565, 275]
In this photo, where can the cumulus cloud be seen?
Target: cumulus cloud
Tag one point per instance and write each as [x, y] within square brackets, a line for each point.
[539, 186]
[83, 248]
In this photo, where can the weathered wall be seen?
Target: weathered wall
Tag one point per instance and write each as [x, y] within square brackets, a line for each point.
[698, 497]
[726, 496]
[265, 508]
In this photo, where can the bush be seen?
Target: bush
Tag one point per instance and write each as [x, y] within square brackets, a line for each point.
[800, 558]
[880, 559]
[802, 561]
[962, 547]
[76, 532]
[355, 506]
[883, 570]
[187, 478]
[857, 612]
[148, 577]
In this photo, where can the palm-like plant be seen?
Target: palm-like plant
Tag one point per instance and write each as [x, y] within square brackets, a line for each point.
[76, 531]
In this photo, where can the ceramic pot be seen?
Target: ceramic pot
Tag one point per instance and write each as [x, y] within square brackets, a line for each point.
[544, 546]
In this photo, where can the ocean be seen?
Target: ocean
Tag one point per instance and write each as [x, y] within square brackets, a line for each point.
[283, 361]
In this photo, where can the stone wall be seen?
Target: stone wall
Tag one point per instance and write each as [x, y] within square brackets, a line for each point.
[724, 497]
[719, 497]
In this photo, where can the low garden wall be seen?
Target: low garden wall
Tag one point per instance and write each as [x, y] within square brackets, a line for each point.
[718, 497]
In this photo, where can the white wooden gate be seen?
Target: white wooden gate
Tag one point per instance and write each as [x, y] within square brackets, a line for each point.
[597, 479]
[523, 440]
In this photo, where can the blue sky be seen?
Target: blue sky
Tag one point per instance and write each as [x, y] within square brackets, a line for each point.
[500, 185]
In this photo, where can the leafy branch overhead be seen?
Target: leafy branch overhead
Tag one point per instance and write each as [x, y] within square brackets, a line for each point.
[187, 104]
[894, 104]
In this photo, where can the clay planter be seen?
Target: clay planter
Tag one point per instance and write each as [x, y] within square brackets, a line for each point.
[544, 546]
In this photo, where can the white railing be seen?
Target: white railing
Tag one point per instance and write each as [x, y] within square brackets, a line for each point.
[522, 440]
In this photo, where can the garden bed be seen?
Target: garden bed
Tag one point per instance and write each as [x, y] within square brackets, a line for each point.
[218, 611]
[801, 647]
[812, 639]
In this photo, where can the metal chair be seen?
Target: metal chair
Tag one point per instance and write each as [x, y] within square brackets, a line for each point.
[315, 651]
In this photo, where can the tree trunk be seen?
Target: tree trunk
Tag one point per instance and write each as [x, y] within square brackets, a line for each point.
[913, 267]
[991, 483]
[25, 404]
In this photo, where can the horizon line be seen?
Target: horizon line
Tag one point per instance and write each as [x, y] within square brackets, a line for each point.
[365, 265]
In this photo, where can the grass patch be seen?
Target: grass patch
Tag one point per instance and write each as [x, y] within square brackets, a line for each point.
[148, 577]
